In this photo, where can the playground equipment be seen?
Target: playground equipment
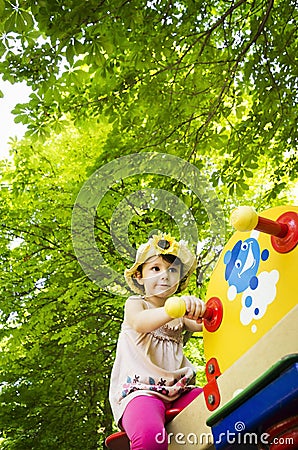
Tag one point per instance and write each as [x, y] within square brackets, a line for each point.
[250, 340]
[251, 397]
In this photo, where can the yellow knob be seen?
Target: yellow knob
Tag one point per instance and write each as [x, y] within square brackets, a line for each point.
[175, 307]
[244, 218]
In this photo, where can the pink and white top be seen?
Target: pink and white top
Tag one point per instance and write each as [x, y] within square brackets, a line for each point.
[149, 364]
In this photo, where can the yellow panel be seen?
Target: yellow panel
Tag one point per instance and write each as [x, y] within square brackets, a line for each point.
[257, 286]
[189, 428]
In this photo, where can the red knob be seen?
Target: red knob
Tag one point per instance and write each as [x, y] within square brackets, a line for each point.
[284, 231]
[213, 314]
[288, 239]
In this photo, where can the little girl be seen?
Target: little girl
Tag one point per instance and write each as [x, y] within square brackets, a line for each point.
[150, 373]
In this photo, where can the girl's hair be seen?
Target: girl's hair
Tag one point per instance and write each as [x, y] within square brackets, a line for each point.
[171, 259]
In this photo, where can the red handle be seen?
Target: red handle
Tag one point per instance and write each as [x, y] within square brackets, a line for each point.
[208, 314]
[272, 227]
[283, 230]
[213, 314]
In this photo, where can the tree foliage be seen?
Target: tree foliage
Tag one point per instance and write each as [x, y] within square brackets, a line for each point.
[58, 329]
[185, 77]
[212, 83]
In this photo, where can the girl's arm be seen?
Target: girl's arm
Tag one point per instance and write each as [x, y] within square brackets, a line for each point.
[192, 325]
[195, 308]
[144, 320]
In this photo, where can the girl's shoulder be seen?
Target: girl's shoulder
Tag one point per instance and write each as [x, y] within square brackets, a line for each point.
[136, 300]
[133, 305]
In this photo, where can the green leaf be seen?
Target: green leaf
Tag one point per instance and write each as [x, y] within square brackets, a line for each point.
[21, 118]
[2, 7]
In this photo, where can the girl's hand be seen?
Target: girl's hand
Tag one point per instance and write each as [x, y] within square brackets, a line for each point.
[195, 307]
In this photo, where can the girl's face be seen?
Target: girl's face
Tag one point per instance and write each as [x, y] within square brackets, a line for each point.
[159, 277]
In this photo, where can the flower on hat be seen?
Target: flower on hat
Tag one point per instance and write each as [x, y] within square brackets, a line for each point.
[165, 244]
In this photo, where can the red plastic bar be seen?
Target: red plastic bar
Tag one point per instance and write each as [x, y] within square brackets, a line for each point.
[272, 227]
[208, 314]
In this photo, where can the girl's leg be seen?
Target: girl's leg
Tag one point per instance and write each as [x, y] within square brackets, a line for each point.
[143, 420]
[185, 399]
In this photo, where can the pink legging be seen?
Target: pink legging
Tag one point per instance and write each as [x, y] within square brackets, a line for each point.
[144, 419]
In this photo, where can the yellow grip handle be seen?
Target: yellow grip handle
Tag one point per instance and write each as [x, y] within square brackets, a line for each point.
[244, 218]
[175, 307]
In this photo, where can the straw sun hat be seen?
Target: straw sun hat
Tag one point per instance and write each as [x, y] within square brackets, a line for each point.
[162, 244]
